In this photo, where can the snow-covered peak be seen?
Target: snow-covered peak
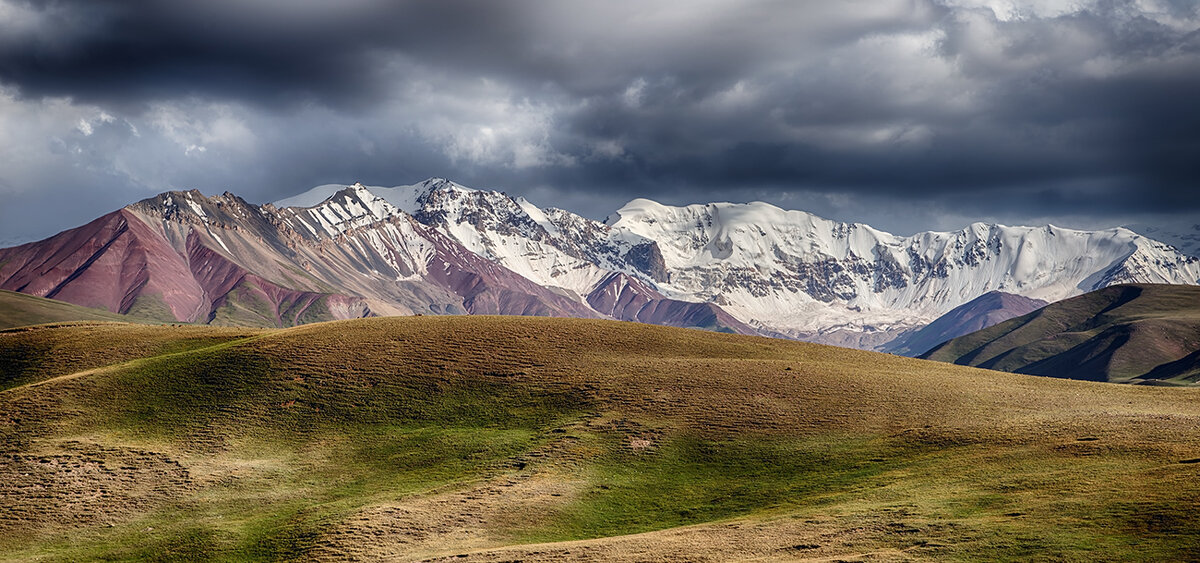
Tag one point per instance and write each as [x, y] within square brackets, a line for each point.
[444, 185]
[551, 247]
[311, 197]
[742, 233]
[349, 208]
[787, 271]
[801, 274]
[407, 198]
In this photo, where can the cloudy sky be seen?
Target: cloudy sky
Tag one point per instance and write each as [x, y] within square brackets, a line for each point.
[907, 114]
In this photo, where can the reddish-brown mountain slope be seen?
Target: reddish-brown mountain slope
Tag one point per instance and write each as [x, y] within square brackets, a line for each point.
[182, 256]
[116, 262]
[626, 298]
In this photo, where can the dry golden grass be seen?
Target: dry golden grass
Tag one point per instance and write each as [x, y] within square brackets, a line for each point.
[32, 353]
[511, 438]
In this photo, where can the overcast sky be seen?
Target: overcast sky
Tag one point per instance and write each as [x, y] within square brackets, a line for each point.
[906, 114]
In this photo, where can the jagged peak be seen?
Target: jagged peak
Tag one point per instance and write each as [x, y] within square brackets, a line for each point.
[355, 191]
[357, 201]
[175, 203]
[170, 196]
[445, 185]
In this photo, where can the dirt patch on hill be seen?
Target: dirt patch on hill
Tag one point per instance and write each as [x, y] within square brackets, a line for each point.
[884, 537]
[76, 484]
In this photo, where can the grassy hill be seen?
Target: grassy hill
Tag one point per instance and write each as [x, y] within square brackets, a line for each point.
[18, 309]
[516, 438]
[1125, 333]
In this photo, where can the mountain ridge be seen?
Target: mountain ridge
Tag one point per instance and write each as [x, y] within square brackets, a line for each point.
[440, 247]
[1139, 333]
[989, 309]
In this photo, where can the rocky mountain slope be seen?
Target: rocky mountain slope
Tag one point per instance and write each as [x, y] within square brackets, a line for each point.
[1126, 333]
[989, 309]
[786, 273]
[439, 247]
[183, 256]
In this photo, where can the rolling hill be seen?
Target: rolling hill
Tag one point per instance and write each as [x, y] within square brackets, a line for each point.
[1138, 333]
[986, 310]
[19, 309]
[484, 438]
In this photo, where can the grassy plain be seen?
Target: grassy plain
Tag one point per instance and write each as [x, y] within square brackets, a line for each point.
[515, 438]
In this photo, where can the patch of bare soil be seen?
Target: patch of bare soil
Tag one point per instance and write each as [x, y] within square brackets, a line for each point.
[75, 484]
[780, 539]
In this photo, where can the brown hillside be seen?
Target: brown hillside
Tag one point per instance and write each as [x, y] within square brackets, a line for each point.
[508, 438]
[1126, 333]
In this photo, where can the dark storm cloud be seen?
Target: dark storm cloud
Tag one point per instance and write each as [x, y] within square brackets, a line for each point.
[117, 50]
[1090, 112]
[1023, 107]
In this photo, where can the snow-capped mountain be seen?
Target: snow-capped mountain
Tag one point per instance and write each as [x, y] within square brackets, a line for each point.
[182, 256]
[550, 246]
[785, 272]
[339, 251]
[807, 277]
[1184, 234]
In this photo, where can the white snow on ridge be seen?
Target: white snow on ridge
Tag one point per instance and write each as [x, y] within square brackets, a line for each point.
[797, 273]
[1183, 234]
[311, 197]
[786, 271]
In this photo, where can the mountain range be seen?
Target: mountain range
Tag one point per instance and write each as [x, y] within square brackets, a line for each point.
[437, 247]
[1137, 333]
[989, 309]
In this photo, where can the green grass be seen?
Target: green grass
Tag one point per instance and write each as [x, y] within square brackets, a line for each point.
[244, 306]
[33, 354]
[231, 385]
[18, 309]
[280, 512]
[689, 480]
[609, 428]
[296, 314]
[962, 502]
[150, 307]
[317, 457]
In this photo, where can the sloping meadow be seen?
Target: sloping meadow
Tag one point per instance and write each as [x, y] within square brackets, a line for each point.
[494, 438]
